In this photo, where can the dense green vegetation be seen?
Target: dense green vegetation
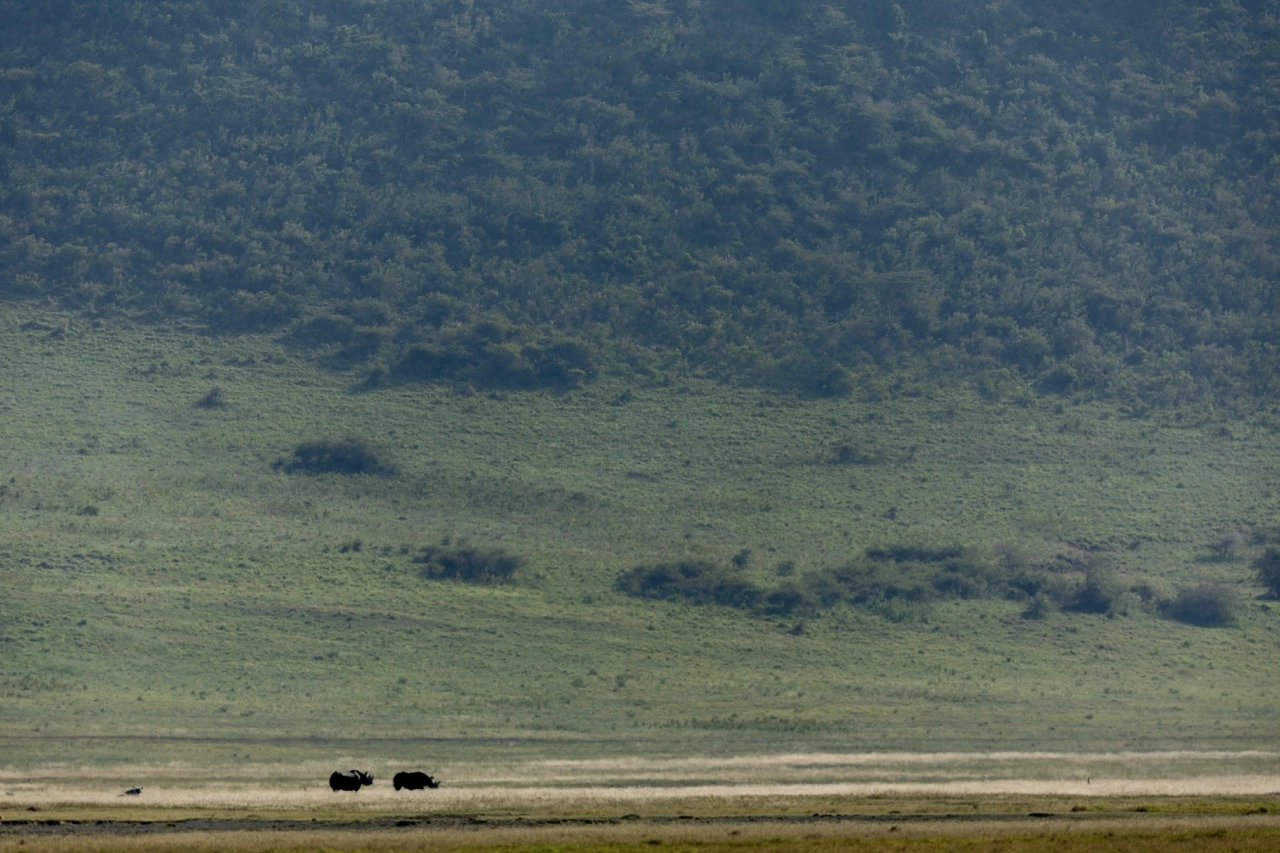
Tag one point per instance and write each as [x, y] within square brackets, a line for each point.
[822, 197]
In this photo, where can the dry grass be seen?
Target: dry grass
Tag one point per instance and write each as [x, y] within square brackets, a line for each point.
[1132, 833]
[955, 801]
[596, 785]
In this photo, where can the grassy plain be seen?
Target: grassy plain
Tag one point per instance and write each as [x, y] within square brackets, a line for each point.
[169, 597]
[1158, 835]
[514, 821]
[782, 802]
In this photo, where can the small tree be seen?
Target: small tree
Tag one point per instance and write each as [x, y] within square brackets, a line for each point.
[1268, 569]
[1227, 546]
[1040, 607]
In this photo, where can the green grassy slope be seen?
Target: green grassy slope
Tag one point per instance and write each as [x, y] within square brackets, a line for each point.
[161, 581]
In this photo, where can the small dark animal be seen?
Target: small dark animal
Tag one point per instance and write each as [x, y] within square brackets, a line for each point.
[414, 781]
[349, 780]
[133, 792]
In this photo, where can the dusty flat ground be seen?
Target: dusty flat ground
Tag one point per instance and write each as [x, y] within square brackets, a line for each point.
[1245, 832]
[533, 784]
[802, 801]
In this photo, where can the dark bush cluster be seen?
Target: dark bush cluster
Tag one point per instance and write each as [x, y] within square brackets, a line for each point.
[698, 581]
[1096, 595]
[897, 581]
[1078, 581]
[914, 554]
[469, 565]
[490, 355]
[1208, 605]
[1044, 591]
[886, 575]
[912, 575]
[324, 330]
[348, 456]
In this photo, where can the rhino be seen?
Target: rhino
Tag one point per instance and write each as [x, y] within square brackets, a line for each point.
[349, 780]
[414, 780]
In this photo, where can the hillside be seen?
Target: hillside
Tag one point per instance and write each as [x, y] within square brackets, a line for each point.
[822, 198]
[457, 377]
[172, 593]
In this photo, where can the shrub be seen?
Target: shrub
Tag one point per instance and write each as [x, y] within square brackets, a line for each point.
[487, 357]
[469, 565]
[789, 599]
[853, 453]
[1207, 605]
[1041, 606]
[246, 311]
[896, 582]
[826, 587]
[348, 456]
[659, 581]
[1145, 592]
[1097, 593]
[212, 399]
[1009, 557]
[1037, 583]
[952, 583]
[1026, 582]
[1265, 535]
[697, 581]
[852, 583]
[811, 376]
[913, 554]
[901, 610]
[1059, 379]
[322, 331]
[560, 364]
[1268, 568]
[430, 362]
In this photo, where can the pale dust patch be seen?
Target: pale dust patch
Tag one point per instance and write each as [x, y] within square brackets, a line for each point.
[484, 787]
[870, 773]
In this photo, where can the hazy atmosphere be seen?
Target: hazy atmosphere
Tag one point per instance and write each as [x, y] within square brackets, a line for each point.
[635, 400]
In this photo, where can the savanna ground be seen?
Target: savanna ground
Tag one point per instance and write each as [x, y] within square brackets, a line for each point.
[1168, 801]
[180, 615]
